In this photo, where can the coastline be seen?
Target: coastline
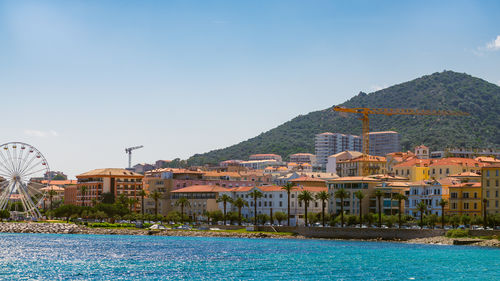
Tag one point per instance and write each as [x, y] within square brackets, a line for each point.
[67, 228]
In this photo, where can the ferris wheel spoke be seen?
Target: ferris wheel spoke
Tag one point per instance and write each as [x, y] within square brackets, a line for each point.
[14, 158]
[37, 171]
[5, 195]
[29, 201]
[11, 162]
[27, 164]
[6, 162]
[34, 166]
[20, 158]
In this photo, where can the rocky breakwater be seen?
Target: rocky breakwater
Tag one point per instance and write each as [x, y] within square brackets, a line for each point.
[21, 227]
[215, 233]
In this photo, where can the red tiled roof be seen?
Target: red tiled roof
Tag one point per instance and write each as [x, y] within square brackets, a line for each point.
[494, 165]
[466, 174]
[60, 182]
[307, 179]
[359, 178]
[202, 188]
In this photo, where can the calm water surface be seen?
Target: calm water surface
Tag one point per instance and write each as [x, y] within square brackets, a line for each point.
[103, 257]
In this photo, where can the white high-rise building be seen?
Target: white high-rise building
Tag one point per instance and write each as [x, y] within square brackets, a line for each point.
[327, 144]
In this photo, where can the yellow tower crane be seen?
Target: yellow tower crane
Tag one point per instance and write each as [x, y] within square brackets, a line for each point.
[365, 112]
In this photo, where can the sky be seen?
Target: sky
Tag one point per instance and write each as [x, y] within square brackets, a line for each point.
[83, 80]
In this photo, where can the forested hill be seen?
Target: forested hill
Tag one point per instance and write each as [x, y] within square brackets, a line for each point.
[447, 90]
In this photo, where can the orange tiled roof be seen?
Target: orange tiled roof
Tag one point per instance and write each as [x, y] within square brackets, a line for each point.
[268, 154]
[467, 184]
[60, 182]
[302, 154]
[494, 165]
[106, 172]
[307, 179]
[202, 188]
[358, 178]
[466, 174]
[414, 162]
[456, 161]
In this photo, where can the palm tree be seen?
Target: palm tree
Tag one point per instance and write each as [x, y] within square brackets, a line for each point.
[341, 194]
[442, 203]
[305, 196]
[51, 193]
[83, 190]
[323, 196]
[422, 208]
[155, 195]
[400, 197]
[255, 194]
[131, 203]
[225, 199]
[378, 194]
[183, 201]
[240, 203]
[360, 195]
[142, 194]
[288, 187]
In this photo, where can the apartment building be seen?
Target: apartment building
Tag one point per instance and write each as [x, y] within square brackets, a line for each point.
[465, 199]
[490, 179]
[275, 199]
[265, 157]
[304, 158]
[327, 144]
[331, 166]
[352, 184]
[383, 143]
[431, 193]
[202, 198]
[354, 167]
[112, 181]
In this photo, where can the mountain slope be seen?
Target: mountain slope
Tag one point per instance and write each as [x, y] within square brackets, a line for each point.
[445, 90]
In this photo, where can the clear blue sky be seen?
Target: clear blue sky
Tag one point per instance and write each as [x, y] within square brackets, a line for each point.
[82, 80]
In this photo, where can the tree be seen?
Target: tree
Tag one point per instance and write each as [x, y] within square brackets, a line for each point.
[422, 208]
[83, 190]
[4, 214]
[360, 195]
[131, 203]
[400, 197]
[240, 203]
[255, 194]
[288, 187]
[263, 218]
[142, 194]
[305, 196]
[455, 220]
[378, 194]
[224, 199]
[280, 216]
[465, 219]
[341, 194]
[183, 201]
[155, 195]
[173, 216]
[431, 220]
[442, 203]
[51, 194]
[323, 196]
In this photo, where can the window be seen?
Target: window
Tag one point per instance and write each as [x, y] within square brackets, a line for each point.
[433, 171]
[440, 171]
[265, 204]
[447, 170]
[466, 206]
[454, 206]
[487, 182]
[465, 195]
[487, 193]
[453, 195]
[487, 173]
[496, 183]
[281, 204]
[475, 195]
[475, 206]
[281, 195]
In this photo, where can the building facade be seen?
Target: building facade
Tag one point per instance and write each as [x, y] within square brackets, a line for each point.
[465, 199]
[327, 144]
[304, 158]
[383, 143]
[431, 193]
[490, 180]
[113, 181]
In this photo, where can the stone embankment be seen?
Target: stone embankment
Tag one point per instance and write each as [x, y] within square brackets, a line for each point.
[442, 240]
[65, 228]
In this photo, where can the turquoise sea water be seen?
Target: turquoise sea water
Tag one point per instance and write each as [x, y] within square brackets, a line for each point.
[103, 257]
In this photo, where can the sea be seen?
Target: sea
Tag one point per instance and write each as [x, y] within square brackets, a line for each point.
[114, 257]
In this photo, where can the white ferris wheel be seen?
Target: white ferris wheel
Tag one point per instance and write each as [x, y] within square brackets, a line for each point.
[22, 170]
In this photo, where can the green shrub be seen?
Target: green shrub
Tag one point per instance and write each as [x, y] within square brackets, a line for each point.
[106, 224]
[456, 233]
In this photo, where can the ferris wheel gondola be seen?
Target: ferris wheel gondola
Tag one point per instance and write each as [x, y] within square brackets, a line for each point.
[22, 170]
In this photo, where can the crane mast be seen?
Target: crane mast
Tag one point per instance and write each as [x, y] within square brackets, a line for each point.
[364, 117]
[129, 152]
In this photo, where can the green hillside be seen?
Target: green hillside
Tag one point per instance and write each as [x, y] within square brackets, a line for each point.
[446, 90]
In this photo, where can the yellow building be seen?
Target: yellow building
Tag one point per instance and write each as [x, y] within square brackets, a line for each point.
[465, 199]
[490, 179]
[442, 168]
[416, 170]
[353, 167]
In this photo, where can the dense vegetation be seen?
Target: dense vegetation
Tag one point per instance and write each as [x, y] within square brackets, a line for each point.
[445, 90]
